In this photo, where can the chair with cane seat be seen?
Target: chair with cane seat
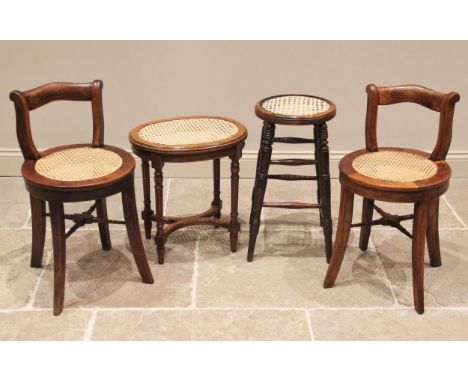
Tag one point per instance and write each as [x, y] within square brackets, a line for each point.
[397, 175]
[74, 173]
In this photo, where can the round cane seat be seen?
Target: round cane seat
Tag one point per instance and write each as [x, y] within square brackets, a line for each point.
[395, 166]
[392, 169]
[77, 164]
[302, 109]
[77, 169]
[187, 134]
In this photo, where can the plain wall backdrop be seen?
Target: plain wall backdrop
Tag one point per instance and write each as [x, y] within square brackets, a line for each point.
[145, 80]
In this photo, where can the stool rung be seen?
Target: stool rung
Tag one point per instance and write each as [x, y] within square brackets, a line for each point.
[293, 140]
[292, 205]
[293, 162]
[292, 177]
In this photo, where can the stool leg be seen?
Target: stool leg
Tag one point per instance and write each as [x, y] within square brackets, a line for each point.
[345, 217]
[317, 171]
[38, 221]
[101, 211]
[216, 189]
[134, 234]
[57, 221]
[234, 226]
[264, 156]
[421, 211]
[147, 213]
[432, 234]
[324, 182]
[158, 188]
[367, 212]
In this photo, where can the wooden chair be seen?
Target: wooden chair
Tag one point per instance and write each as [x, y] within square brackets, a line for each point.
[397, 175]
[74, 173]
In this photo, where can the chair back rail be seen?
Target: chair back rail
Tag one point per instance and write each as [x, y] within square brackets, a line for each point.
[443, 103]
[56, 91]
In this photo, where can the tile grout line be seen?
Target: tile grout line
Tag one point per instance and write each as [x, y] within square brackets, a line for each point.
[193, 293]
[88, 333]
[25, 225]
[235, 309]
[309, 324]
[453, 211]
[32, 299]
[388, 281]
[166, 198]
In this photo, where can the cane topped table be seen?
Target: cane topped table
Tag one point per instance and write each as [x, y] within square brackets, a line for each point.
[188, 139]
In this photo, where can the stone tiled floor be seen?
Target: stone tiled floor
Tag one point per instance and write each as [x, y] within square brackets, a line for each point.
[205, 292]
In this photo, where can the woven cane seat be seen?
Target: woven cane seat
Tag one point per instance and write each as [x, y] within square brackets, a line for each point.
[77, 164]
[188, 133]
[392, 169]
[295, 107]
[395, 166]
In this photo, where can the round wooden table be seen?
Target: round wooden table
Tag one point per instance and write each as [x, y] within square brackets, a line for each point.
[181, 140]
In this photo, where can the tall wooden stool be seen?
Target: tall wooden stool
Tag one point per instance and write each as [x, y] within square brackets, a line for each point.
[75, 173]
[293, 110]
[397, 175]
[188, 139]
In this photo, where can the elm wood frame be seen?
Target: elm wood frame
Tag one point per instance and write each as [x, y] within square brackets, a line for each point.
[321, 163]
[158, 155]
[56, 193]
[423, 193]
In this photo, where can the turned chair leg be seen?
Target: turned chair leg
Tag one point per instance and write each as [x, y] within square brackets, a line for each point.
[134, 235]
[261, 177]
[101, 211]
[325, 192]
[421, 211]
[38, 222]
[158, 190]
[342, 235]
[367, 212]
[147, 213]
[432, 234]
[57, 221]
[234, 226]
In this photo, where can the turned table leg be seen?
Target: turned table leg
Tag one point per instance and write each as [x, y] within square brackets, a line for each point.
[147, 212]
[234, 226]
[158, 188]
[217, 202]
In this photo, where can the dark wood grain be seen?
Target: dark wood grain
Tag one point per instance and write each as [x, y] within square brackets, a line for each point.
[366, 218]
[38, 223]
[432, 234]
[419, 236]
[342, 235]
[104, 233]
[134, 235]
[58, 243]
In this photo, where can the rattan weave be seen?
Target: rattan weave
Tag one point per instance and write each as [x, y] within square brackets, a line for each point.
[188, 131]
[296, 105]
[78, 164]
[395, 166]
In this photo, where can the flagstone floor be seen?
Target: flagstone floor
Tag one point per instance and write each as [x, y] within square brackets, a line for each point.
[205, 292]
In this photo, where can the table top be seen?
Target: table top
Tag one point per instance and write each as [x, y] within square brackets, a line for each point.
[295, 109]
[194, 134]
